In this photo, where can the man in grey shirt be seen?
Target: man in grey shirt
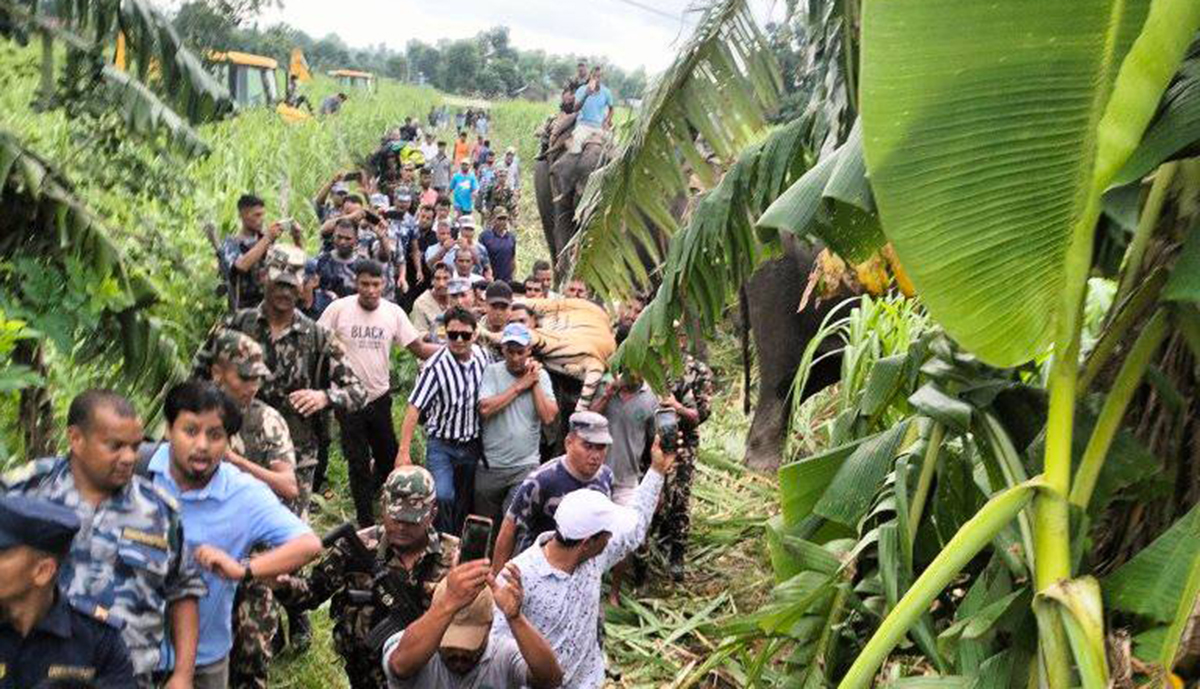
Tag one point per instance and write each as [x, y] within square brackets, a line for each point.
[629, 405]
[515, 399]
[448, 647]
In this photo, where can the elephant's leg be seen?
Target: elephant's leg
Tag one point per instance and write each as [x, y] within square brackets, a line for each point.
[780, 336]
[563, 175]
[545, 195]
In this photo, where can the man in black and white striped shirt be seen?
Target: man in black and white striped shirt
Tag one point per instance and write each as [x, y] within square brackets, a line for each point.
[447, 393]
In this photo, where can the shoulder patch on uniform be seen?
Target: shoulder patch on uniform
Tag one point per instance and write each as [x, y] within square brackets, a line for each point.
[154, 490]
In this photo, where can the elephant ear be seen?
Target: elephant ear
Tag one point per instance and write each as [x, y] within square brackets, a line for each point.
[699, 115]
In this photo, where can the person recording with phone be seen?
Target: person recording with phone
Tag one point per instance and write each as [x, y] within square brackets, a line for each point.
[405, 554]
[241, 253]
[448, 647]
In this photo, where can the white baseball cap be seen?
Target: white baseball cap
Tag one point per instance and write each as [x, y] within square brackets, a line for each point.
[585, 512]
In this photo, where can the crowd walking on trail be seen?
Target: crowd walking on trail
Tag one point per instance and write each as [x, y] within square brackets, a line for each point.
[524, 473]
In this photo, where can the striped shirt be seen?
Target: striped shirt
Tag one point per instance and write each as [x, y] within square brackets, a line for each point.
[447, 392]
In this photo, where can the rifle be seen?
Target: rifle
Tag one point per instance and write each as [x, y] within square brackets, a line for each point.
[385, 590]
[210, 231]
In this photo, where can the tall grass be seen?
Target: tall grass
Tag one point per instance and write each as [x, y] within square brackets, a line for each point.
[156, 202]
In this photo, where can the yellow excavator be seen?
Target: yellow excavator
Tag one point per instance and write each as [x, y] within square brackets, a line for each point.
[253, 80]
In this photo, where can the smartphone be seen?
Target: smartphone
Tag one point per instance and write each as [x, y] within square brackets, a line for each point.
[667, 422]
[372, 217]
[355, 176]
[476, 536]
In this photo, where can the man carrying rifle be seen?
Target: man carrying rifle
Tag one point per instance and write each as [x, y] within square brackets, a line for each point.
[381, 578]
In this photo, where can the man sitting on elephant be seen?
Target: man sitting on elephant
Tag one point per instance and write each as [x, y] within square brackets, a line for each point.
[593, 103]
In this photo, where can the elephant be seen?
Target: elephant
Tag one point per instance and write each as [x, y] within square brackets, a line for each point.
[769, 302]
[559, 178]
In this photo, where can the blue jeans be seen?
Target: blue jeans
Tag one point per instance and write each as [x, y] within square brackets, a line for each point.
[453, 468]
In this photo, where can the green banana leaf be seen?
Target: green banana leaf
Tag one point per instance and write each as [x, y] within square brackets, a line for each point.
[990, 131]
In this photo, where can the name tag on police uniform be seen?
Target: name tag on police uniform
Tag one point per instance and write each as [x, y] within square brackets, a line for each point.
[79, 672]
[148, 539]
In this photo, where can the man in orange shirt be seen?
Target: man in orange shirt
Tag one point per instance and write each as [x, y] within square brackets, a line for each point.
[463, 149]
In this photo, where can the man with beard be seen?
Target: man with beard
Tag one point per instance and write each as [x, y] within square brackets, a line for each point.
[308, 365]
[129, 563]
[448, 646]
[432, 303]
[336, 267]
[226, 512]
[263, 449]
[407, 550]
[368, 326]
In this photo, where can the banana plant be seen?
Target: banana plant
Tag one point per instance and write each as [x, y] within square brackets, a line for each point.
[990, 132]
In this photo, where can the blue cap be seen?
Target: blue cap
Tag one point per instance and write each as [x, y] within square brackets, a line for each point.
[310, 267]
[458, 285]
[516, 333]
[36, 523]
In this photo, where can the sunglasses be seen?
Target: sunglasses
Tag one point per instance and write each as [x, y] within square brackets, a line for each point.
[460, 335]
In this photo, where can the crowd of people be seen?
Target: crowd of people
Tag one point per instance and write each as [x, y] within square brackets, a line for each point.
[478, 549]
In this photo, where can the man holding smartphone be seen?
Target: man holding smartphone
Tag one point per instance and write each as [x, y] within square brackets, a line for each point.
[407, 549]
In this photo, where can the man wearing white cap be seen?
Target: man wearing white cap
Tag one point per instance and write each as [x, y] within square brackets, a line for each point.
[561, 573]
[448, 646]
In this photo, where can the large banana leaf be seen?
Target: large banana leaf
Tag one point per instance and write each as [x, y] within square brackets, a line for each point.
[716, 253]
[990, 131]
[59, 226]
[831, 202]
[712, 102]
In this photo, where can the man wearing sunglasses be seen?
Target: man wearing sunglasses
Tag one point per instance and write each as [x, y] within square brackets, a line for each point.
[447, 394]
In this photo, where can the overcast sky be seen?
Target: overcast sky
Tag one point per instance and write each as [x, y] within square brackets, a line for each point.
[629, 33]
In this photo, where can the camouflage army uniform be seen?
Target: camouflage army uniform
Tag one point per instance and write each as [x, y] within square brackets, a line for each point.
[128, 561]
[305, 356]
[502, 197]
[408, 496]
[694, 390]
[263, 439]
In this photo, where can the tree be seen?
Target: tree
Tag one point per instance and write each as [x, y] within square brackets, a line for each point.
[462, 61]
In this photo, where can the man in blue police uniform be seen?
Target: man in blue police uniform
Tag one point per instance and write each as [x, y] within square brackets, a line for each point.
[129, 560]
[43, 637]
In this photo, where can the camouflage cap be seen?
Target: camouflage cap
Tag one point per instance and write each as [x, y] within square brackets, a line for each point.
[242, 351]
[408, 494]
[285, 263]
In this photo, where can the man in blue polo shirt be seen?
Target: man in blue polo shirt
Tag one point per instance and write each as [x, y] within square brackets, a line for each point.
[593, 103]
[225, 513]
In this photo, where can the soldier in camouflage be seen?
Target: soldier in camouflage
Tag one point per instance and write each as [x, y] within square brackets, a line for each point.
[262, 448]
[406, 547]
[309, 369]
[691, 398]
[128, 562]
